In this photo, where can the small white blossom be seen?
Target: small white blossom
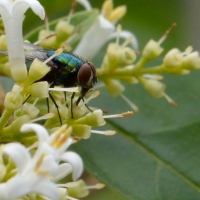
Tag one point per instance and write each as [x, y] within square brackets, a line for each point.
[12, 13]
[34, 173]
[100, 33]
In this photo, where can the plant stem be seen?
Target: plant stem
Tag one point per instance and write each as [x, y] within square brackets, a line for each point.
[4, 119]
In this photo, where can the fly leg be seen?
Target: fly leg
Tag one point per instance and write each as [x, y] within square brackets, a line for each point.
[72, 97]
[86, 105]
[48, 104]
[56, 107]
[26, 99]
[78, 101]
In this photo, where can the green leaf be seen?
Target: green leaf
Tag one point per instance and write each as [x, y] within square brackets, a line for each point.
[161, 165]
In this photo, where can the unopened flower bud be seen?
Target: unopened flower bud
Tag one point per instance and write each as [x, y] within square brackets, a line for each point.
[16, 88]
[126, 56]
[13, 101]
[27, 109]
[3, 43]
[154, 87]
[114, 87]
[94, 118]
[78, 191]
[82, 131]
[18, 70]
[2, 171]
[5, 68]
[62, 193]
[63, 30]
[39, 90]
[38, 70]
[113, 52]
[152, 50]
[48, 43]
[17, 124]
[191, 61]
[173, 58]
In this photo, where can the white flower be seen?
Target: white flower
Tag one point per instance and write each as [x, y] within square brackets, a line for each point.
[34, 173]
[56, 145]
[101, 32]
[12, 13]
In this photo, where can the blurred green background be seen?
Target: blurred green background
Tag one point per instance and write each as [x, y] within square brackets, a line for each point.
[147, 19]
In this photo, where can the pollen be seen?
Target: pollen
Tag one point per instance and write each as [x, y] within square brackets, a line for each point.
[39, 162]
[62, 135]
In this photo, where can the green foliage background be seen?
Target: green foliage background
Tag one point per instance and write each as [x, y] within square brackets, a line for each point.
[155, 154]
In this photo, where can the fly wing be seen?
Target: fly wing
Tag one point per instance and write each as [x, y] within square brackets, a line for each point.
[33, 51]
[3, 52]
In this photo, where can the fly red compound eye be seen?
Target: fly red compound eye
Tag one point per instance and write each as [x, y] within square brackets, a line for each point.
[86, 75]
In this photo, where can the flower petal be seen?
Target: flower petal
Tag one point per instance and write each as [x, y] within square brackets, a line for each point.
[19, 154]
[14, 188]
[33, 4]
[48, 189]
[39, 130]
[76, 162]
[49, 164]
[63, 170]
[96, 36]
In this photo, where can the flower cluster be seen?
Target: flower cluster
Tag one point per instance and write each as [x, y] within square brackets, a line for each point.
[39, 173]
[119, 65]
[32, 165]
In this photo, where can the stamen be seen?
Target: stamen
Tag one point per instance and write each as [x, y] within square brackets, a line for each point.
[187, 51]
[99, 85]
[36, 100]
[126, 114]
[119, 29]
[130, 103]
[72, 89]
[45, 38]
[44, 117]
[19, 89]
[92, 96]
[68, 185]
[33, 146]
[76, 139]
[47, 24]
[71, 198]
[97, 186]
[39, 162]
[71, 11]
[171, 101]
[153, 76]
[18, 92]
[73, 36]
[108, 132]
[127, 42]
[64, 136]
[162, 39]
[58, 52]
